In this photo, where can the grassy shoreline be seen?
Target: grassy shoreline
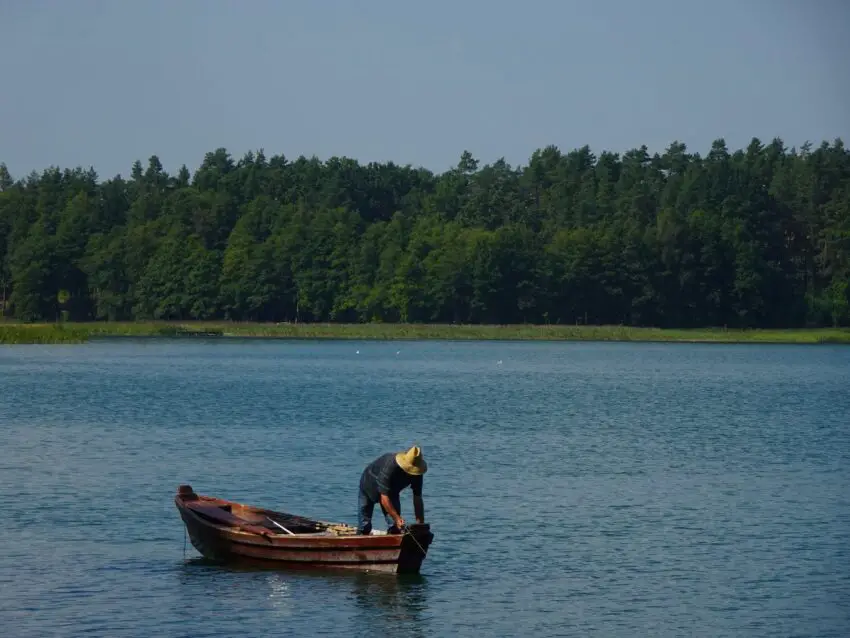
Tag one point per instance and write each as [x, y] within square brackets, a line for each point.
[57, 333]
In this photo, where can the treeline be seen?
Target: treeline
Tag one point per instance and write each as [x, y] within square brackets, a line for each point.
[759, 237]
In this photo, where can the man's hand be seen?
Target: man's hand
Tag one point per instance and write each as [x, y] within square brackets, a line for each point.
[388, 506]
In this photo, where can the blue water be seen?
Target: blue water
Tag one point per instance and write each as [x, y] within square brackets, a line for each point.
[573, 489]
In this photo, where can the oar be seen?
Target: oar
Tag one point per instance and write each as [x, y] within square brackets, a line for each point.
[281, 526]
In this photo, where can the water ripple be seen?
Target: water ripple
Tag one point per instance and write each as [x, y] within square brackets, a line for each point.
[613, 489]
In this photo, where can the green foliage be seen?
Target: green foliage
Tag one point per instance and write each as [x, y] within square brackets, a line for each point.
[753, 238]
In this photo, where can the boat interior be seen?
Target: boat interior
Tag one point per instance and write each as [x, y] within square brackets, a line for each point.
[236, 514]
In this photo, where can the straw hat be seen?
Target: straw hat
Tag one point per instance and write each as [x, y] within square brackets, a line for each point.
[411, 461]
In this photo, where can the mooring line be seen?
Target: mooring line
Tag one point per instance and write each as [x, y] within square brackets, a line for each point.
[409, 533]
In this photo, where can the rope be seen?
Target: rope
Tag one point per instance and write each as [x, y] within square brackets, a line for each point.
[408, 533]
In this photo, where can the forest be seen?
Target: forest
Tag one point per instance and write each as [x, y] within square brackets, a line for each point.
[757, 237]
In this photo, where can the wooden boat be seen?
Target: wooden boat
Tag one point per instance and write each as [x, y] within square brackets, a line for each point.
[225, 531]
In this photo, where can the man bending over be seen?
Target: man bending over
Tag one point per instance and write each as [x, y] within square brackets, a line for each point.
[381, 482]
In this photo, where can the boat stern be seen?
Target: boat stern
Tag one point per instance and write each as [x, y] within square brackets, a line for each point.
[414, 548]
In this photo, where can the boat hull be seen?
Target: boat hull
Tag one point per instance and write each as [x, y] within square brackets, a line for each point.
[240, 540]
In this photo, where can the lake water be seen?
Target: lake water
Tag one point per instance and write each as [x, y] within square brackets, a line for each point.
[573, 488]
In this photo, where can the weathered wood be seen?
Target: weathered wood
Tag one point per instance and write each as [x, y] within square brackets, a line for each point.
[225, 517]
[227, 531]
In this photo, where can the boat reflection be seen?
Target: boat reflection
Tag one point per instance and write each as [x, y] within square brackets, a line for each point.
[382, 602]
[393, 602]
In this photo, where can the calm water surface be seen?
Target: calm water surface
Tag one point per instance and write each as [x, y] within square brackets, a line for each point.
[574, 489]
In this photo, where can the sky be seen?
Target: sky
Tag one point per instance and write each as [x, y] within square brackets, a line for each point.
[103, 83]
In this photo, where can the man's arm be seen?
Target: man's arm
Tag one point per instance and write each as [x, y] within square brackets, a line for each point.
[385, 501]
[418, 504]
[384, 480]
[419, 508]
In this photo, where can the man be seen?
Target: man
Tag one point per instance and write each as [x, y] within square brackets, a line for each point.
[381, 482]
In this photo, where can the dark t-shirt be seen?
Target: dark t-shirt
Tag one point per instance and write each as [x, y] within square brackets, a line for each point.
[384, 476]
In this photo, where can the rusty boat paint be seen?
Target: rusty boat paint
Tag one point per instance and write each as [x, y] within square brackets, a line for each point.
[230, 532]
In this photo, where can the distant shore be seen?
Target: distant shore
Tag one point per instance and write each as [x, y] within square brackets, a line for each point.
[46, 333]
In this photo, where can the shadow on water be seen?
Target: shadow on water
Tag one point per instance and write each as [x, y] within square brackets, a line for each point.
[389, 601]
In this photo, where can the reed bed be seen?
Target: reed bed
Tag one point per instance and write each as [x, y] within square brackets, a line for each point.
[59, 333]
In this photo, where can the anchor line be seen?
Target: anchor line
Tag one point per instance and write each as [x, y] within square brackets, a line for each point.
[408, 533]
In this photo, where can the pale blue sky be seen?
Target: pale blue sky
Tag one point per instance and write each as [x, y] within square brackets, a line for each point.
[103, 83]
